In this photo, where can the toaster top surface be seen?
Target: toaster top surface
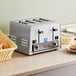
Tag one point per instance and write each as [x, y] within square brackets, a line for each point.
[34, 21]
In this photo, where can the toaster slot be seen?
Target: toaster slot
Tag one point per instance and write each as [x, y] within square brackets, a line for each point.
[37, 20]
[43, 19]
[30, 21]
[40, 20]
[22, 22]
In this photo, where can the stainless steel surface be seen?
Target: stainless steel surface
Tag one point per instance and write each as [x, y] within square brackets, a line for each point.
[35, 35]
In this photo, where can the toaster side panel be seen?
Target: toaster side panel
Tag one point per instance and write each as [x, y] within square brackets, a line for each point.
[20, 34]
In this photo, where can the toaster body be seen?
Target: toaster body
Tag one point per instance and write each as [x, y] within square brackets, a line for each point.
[35, 35]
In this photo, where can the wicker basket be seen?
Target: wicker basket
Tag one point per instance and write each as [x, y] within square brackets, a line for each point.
[6, 54]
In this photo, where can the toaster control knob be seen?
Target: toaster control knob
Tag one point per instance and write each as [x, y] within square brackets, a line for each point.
[36, 47]
[55, 44]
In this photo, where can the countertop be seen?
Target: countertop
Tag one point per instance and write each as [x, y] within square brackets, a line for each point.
[27, 65]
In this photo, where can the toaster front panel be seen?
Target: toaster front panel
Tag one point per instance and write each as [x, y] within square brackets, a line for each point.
[45, 37]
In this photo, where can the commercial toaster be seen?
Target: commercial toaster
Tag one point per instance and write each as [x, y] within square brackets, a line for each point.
[35, 35]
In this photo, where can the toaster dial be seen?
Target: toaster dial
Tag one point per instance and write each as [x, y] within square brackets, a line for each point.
[36, 47]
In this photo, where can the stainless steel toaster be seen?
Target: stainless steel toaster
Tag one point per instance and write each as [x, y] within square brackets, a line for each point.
[35, 35]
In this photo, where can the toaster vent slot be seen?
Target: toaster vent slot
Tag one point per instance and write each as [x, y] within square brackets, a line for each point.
[24, 42]
[13, 38]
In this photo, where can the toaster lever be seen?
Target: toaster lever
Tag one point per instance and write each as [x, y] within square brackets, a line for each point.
[40, 32]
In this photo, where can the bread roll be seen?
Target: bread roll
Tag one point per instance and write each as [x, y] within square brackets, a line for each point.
[73, 47]
[3, 45]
